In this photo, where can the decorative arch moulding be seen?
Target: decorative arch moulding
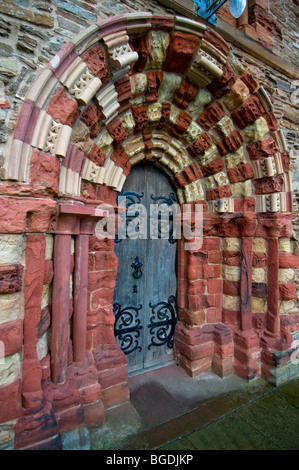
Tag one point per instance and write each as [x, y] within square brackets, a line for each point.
[140, 87]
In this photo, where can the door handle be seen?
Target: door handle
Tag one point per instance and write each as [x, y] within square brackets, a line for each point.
[136, 266]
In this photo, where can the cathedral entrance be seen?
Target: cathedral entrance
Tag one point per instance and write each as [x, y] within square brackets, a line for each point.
[146, 284]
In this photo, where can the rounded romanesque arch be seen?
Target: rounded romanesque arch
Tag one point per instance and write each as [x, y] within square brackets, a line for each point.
[137, 87]
[134, 88]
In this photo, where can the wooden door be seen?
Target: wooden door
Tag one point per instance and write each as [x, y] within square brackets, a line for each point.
[146, 284]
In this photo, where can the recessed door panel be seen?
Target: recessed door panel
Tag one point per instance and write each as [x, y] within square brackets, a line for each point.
[146, 284]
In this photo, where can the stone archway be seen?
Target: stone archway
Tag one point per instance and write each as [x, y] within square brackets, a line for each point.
[136, 88]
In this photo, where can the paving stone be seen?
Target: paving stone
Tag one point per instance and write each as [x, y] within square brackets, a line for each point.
[230, 433]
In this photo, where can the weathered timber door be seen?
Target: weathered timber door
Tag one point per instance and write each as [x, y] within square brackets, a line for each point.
[146, 283]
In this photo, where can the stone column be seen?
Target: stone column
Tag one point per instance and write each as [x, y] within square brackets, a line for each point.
[68, 224]
[273, 286]
[80, 289]
[246, 284]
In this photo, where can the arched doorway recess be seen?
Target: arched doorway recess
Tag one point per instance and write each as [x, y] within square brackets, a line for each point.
[135, 88]
[145, 304]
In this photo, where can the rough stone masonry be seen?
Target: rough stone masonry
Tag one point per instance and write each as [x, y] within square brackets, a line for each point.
[89, 90]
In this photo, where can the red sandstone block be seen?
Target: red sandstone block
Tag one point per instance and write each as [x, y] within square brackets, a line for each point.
[241, 173]
[213, 167]
[154, 80]
[4, 104]
[164, 23]
[230, 317]
[232, 258]
[200, 145]
[123, 89]
[108, 356]
[246, 340]
[289, 323]
[140, 117]
[117, 131]
[197, 301]
[101, 279]
[44, 170]
[214, 38]
[96, 244]
[92, 118]
[285, 160]
[183, 121]
[249, 112]
[165, 114]
[269, 185]
[196, 287]
[211, 115]
[288, 260]
[180, 52]
[26, 122]
[101, 334]
[95, 59]
[96, 155]
[211, 271]
[214, 286]
[245, 204]
[244, 355]
[101, 298]
[218, 193]
[213, 315]
[11, 335]
[11, 278]
[121, 159]
[215, 257]
[198, 258]
[259, 289]
[278, 226]
[259, 321]
[250, 82]
[10, 401]
[287, 291]
[246, 371]
[113, 376]
[224, 350]
[63, 108]
[231, 287]
[70, 418]
[194, 353]
[272, 122]
[211, 243]
[186, 93]
[105, 261]
[88, 190]
[222, 85]
[259, 260]
[262, 148]
[231, 143]
[187, 176]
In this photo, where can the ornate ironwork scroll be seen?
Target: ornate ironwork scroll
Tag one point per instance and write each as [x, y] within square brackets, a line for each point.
[130, 198]
[162, 212]
[162, 323]
[127, 327]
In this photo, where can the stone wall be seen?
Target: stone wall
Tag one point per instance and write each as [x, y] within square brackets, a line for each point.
[78, 110]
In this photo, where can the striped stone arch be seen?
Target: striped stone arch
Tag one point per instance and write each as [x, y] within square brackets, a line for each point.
[141, 87]
[134, 88]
